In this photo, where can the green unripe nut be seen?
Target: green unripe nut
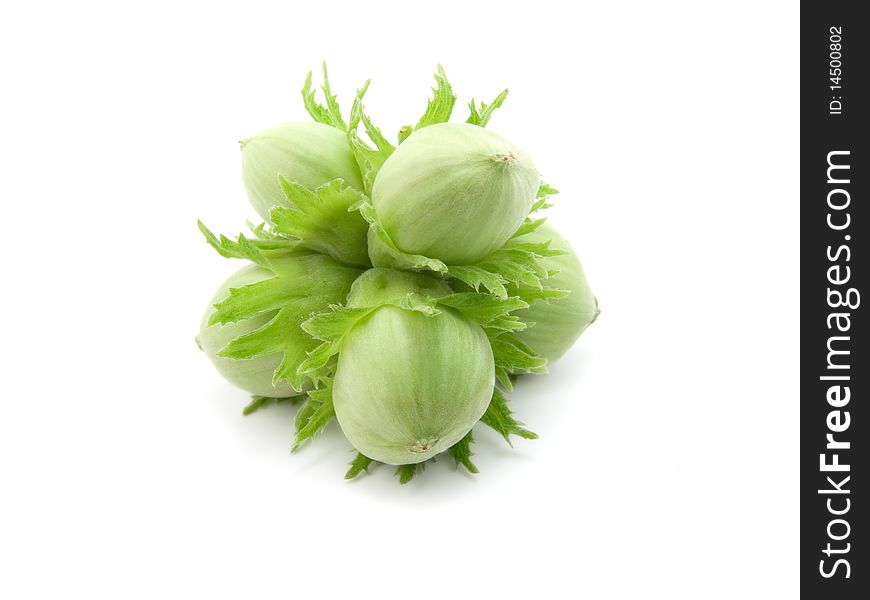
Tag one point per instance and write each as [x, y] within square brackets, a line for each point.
[558, 322]
[252, 375]
[409, 385]
[455, 192]
[310, 154]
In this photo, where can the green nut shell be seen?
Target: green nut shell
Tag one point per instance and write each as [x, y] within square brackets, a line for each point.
[310, 154]
[455, 192]
[559, 322]
[409, 385]
[252, 375]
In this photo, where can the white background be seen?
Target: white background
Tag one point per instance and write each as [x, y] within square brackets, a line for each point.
[667, 461]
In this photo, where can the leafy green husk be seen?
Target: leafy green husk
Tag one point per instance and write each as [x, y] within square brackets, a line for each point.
[500, 418]
[359, 464]
[257, 250]
[406, 473]
[329, 114]
[480, 114]
[440, 107]
[321, 220]
[314, 415]
[491, 312]
[305, 283]
[254, 375]
[429, 297]
[461, 453]
[258, 402]
[369, 159]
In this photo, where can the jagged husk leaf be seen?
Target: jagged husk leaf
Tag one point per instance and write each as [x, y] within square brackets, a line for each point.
[440, 106]
[359, 464]
[489, 311]
[513, 355]
[514, 263]
[258, 402]
[545, 190]
[461, 453]
[499, 417]
[329, 327]
[254, 375]
[328, 115]
[322, 220]
[480, 114]
[545, 294]
[317, 412]
[384, 252]
[257, 250]
[528, 226]
[406, 473]
[304, 284]
[369, 159]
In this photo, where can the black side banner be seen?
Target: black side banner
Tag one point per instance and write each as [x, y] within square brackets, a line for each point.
[835, 366]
